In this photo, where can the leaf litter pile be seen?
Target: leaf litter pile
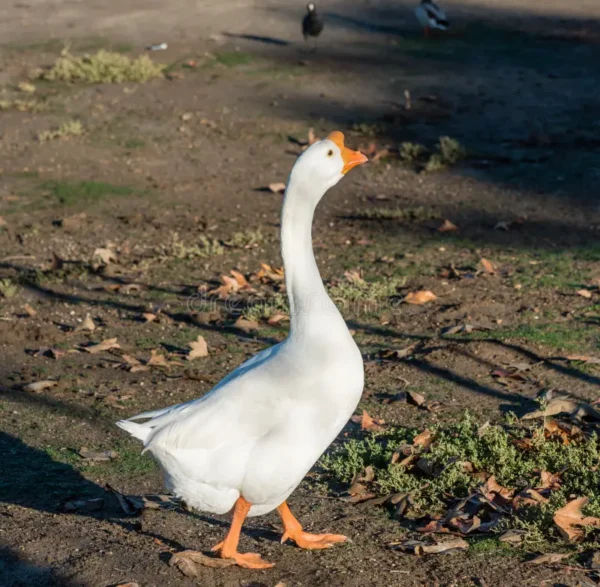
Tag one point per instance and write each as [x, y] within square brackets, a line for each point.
[532, 484]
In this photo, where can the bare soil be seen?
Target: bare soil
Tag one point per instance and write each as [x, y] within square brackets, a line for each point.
[190, 156]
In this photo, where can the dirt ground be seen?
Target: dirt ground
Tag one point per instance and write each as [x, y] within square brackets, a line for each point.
[162, 165]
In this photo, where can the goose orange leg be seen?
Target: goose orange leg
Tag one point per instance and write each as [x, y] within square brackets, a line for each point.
[228, 548]
[293, 531]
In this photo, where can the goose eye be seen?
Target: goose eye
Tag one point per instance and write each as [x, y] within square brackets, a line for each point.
[330, 153]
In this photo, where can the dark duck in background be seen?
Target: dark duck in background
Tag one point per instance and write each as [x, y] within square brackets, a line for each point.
[312, 23]
[431, 17]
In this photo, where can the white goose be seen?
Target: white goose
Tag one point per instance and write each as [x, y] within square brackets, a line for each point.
[431, 16]
[250, 441]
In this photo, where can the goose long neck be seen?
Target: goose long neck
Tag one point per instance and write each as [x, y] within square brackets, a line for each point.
[307, 295]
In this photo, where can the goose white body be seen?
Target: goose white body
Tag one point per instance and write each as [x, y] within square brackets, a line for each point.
[259, 431]
[430, 15]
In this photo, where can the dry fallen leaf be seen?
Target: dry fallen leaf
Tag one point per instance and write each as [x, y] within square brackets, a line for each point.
[237, 282]
[149, 316]
[571, 521]
[157, 360]
[496, 493]
[199, 348]
[88, 324]
[277, 318]
[246, 325]
[98, 456]
[187, 560]
[563, 431]
[84, 505]
[105, 255]
[446, 547]
[448, 226]
[30, 311]
[584, 358]
[415, 398]
[466, 328]
[424, 439]
[354, 277]
[512, 536]
[393, 354]
[550, 481]
[584, 293]
[527, 498]
[367, 422]
[551, 557]
[134, 504]
[277, 187]
[487, 266]
[268, 274]
[563, 405]
[465, 525]
[38, 386]
[420, 297]
[105, 345]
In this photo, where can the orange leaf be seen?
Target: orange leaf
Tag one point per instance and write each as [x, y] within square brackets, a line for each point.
[448, 226]
[157, 359]
[487, 266]
[354, 277]
[570, 520]
[420, 297]
[239, 277]
[277, 318]
[246, 325]
[527, 498]
[424, 439]
[584, 293]
[549, 480]
[366, 422]
[277, 187]
[199, 348]
[496, 493]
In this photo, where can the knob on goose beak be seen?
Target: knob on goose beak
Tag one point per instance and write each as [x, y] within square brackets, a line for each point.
[351, 158]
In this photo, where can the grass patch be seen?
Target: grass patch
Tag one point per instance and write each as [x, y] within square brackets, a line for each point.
[233, 58]
[103, 67]
[278, 304]
[134, 143]
[23, 105]
[246, 239]
[450, 152]
[71, 128]
[8, 288]
[178, 249]
[364, 129]
[359, 290]
[566, 336]
[462, 455]
[412, 152]
[71, 193]
[404, 214]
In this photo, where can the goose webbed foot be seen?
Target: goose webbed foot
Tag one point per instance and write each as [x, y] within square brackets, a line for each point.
[293, 531]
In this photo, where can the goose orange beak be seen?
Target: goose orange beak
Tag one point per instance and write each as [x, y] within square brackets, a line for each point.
[351, 158]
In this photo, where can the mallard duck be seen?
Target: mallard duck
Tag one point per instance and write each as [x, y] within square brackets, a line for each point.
[312, 23]
[249, 442]
[431, 16]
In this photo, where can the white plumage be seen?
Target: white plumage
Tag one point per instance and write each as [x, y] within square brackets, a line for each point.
[258, 432]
